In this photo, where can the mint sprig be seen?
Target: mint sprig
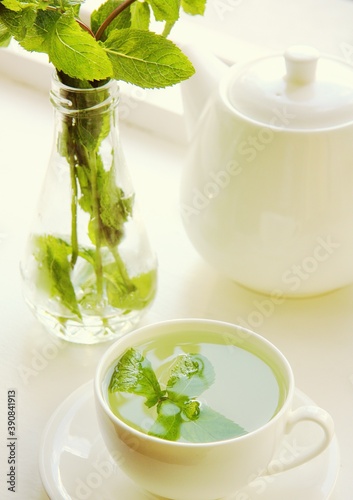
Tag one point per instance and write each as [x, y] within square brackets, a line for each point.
[118, 43]
[179, 415]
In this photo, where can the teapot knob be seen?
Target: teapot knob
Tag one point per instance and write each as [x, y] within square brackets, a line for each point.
[301, 62]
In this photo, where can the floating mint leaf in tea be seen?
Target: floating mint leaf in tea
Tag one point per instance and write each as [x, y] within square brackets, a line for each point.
[191, 375]
[191, 409]
[134, 374]
[195, 387]
[209, 426]
[174, 412]
[168, 422]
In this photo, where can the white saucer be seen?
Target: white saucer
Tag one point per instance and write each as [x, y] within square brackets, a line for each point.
[75, 465]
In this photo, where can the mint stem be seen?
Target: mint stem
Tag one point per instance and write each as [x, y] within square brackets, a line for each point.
[122, 270]
[74, 239]
[111, 17]
[84, 26]
[167, 29]
[77, 19]
[97, 228]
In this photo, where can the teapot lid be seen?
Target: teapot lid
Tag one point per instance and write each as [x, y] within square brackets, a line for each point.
[295, 90]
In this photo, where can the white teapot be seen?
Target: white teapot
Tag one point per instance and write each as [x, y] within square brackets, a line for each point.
[267, 190]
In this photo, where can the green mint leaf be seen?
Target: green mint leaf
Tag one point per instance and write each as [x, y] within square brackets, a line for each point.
[5, 35]
[168, 422]
[123, 20]
[131, 293]
[146, 59]
[165, 11]
[54, 270]
[191, 409]
[18, 5]
[13, 5]
[5, 40]
[68, 5]
[134, 374]
[181, 418]
[76, 52]
[194, 7]
[115, 209]
[209, 426]
[17, 23]
[30, 27]
[140, 16]
[36, 34]
[190, 376]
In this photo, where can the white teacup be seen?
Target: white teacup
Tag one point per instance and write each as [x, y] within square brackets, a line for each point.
[205, 470]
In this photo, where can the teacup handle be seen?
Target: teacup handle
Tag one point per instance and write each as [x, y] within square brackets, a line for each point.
[302, 414]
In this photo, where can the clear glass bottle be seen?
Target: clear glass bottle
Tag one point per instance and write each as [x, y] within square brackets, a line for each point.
[88, 272]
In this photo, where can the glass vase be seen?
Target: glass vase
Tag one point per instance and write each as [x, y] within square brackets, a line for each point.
[89, 273]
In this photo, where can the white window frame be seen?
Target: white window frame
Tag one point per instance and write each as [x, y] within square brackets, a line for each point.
[234, 30]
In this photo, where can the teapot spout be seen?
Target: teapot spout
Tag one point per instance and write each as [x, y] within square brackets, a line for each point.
[196, 90]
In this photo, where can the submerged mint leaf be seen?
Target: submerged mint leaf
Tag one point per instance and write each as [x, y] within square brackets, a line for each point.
[146, 59]
[191, 375]
[54, 270]
[209, 426]
[167, 424]
[134, 374]
[136, 293]
[115, 208]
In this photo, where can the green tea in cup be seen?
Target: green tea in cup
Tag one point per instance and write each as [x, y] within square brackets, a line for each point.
[191, 409]
[194, 387]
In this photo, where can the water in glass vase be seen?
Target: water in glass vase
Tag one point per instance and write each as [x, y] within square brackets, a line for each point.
[194, 387]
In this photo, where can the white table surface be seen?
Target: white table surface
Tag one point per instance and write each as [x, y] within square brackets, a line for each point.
[316, 334]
